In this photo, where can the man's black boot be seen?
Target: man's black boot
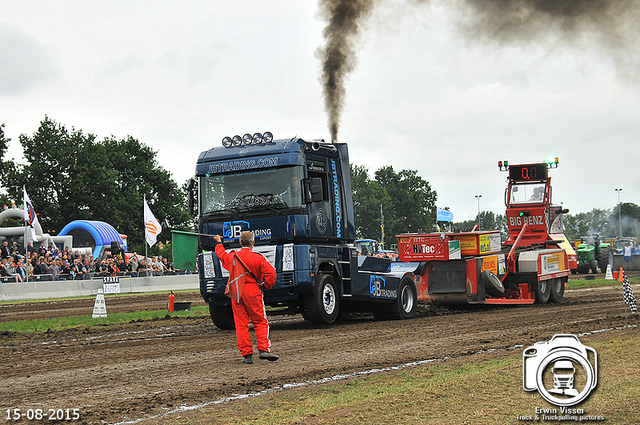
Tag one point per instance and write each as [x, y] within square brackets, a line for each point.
[247, 359]
[265, 355]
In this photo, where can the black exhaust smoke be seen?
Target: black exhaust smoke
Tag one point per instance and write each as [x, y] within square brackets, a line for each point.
[344, 19]
[612, 22]
[612, 25]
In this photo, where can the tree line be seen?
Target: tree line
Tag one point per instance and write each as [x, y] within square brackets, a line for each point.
[72, 175]
[409, 206]
[604, 222]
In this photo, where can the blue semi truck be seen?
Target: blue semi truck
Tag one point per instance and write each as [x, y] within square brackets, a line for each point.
[295, 196]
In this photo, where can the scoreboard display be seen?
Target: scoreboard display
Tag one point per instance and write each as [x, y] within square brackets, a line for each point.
[520, 173]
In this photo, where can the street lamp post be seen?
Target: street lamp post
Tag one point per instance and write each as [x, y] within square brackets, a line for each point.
[478, 198]
[619, 210]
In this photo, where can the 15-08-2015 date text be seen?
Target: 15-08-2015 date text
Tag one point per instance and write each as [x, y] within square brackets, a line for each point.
[17, 414]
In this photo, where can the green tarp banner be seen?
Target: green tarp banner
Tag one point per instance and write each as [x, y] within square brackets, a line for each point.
[184, 247]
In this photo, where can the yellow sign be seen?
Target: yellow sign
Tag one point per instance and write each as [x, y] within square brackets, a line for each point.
[467, 244]
[553, 263]
[485, 243]
[490, 262]
[555, 259]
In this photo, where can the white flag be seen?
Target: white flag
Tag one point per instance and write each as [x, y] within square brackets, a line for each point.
[30, 217]
[151, 226]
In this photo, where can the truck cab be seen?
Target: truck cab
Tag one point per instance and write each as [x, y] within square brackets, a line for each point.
[295, 196]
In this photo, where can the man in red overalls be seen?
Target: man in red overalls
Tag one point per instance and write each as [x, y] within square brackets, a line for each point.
[251, 305]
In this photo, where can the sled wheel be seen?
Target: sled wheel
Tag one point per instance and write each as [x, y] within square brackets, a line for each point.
[543, 292]
[557, 290]
[492, 284]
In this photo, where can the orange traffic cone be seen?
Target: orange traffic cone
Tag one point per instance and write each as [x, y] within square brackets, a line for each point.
[620, 279]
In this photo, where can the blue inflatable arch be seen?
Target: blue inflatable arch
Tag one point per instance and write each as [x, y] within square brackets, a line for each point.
[94, 234]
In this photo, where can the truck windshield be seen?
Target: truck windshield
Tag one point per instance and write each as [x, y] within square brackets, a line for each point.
[526, 193]
[274, 188]
[367, 247]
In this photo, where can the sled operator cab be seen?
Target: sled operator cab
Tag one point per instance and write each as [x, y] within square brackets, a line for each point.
[528, 200]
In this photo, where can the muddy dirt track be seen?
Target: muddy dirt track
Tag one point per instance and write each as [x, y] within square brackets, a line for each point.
[114, 374]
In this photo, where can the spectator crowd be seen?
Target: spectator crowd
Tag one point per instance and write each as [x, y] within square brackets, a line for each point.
[42, 263]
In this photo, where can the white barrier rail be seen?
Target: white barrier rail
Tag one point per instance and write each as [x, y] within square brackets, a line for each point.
[76, 288]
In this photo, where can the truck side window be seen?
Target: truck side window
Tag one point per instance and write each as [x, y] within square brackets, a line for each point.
[315, 189]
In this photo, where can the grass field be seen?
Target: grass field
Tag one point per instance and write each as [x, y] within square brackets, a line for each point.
[583, 283]
[61, 323]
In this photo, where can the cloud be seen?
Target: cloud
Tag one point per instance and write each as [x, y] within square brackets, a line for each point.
[27, 64]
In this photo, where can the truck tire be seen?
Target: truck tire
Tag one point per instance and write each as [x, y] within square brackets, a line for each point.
[557, 290]
[543, 292]
[593, 265]
[324, 305]
[604, 255]
[583, 268]
[405, 306]
[407, 298]
[222, 316]
[492, 284]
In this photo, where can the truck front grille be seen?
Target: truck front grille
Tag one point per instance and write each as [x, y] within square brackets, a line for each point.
[211, 286]
[286, 279]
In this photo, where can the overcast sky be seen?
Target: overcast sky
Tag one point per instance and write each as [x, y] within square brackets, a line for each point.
[424, 94]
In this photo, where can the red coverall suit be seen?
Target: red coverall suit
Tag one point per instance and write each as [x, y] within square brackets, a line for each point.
[251, 305]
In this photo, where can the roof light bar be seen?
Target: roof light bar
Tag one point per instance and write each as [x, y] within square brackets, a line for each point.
[247, 139]
[503, 165]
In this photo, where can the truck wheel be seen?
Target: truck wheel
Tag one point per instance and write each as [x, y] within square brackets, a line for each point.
[543, 292]
[603, 258]
[407, 298]
[324, 305]
[557, 290]
[492, 284]
[222, 316]
[593, 265]
[583, 268]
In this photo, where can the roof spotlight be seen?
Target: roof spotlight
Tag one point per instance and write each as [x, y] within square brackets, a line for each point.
[237, 140]
[227, 142]
[257, 138]
[268, 137]
[247, 138]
